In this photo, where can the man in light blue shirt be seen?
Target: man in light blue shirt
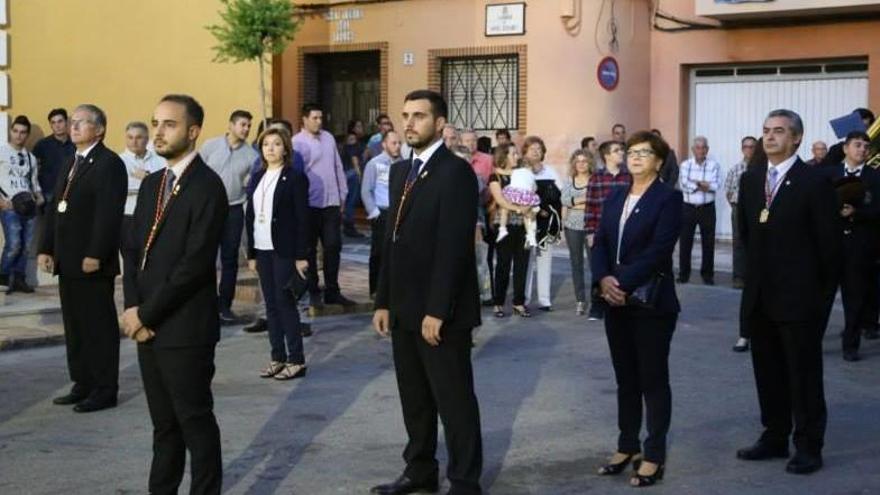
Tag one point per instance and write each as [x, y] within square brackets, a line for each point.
[374, 193]
[231, 157]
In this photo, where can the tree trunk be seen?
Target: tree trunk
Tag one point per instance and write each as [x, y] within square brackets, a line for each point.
[263, 93]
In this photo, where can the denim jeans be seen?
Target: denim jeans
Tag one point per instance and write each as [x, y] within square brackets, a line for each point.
[18, 233]
[354, 195]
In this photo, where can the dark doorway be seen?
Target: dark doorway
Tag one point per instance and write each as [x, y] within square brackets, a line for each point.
[346, 85]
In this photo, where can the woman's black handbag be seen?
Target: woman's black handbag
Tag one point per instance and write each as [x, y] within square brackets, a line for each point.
[645, 296]
[297, 286]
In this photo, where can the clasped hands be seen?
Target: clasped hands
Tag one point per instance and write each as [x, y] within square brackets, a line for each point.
[611, 291]
[430, 326]
[134, 329]
[46, 262]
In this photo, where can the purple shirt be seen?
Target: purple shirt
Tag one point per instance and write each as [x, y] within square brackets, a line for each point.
[323, 167]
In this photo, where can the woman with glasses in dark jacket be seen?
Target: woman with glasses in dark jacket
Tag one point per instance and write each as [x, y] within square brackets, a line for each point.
[632, 269]
[277, 232]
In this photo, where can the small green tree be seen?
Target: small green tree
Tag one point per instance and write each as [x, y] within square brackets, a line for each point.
[254, 30]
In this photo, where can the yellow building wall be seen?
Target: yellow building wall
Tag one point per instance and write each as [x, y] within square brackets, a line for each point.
[564, 100]
[122, 55]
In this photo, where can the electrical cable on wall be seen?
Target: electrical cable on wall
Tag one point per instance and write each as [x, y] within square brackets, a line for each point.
[612, 29]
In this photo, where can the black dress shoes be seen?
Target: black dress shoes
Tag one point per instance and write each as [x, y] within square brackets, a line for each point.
[762, 451]
[804, 463]
[708, 281]
[69, 399]
[851, 356]
[92, 405]
[404, 485]
[261, 325]
[338, 299]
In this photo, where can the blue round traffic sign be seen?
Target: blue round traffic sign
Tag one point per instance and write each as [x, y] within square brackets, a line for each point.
[608, 73]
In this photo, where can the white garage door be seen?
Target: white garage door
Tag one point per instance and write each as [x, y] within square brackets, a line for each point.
[728, 103]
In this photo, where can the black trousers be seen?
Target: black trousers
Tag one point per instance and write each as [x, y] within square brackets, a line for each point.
[692, 217]
[639, 343]
[282, 315]
[787, 358]
[739, 247]
[432, 381]
[177, 383]
[230, 242]
[377, 238]
[509, 252]
[858, 289]
[326, 224]
[128, 250]
[91, 333]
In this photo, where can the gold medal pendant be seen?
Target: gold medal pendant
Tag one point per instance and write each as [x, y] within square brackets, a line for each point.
[62, 206]
[765, 215]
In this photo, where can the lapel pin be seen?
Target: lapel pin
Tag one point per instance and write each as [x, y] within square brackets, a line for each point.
[91, 160]
[176, 189]
[788, 183]
[424, 174]
[637, 210]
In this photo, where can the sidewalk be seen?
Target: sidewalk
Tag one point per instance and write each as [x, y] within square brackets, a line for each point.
[30, 320]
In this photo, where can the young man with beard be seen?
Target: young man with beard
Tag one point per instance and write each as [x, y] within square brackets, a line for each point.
[172, 303]
[428, 300]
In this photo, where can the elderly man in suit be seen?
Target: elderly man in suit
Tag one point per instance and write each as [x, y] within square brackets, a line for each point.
[80, 240]
[789, 225]
[173, 312]
[428, 300]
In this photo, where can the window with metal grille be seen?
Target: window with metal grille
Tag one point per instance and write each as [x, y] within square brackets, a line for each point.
[482, 92]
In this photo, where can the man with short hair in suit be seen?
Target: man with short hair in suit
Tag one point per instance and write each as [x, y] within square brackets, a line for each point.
[859, 231]
[80, 242]
[789, 225]
[174, 316]
[428, 300]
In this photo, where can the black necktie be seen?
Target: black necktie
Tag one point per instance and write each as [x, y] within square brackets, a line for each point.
[413, 172]
[854, 173]
[169, 184]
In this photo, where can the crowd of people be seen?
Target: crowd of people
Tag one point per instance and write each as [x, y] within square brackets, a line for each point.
[453, 219]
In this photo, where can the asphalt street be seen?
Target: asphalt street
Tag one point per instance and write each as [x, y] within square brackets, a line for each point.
[547, 397]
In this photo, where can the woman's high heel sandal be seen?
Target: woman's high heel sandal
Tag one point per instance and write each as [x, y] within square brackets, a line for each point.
[616, 468]
[639, 480]
[522, 313]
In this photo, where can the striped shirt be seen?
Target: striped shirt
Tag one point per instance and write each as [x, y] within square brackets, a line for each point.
[693, 172]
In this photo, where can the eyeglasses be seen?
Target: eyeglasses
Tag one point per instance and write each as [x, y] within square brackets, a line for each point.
[644, 153]
[77, 123]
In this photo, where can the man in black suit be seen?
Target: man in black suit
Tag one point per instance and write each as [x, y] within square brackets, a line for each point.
[173, 311]
[79, 244]
[428, 299]
[789, 226]
[859, 229]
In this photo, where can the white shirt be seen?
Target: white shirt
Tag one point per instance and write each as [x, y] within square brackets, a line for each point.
[88, 150]
[782, 168]
[628, 207]
[427, 153]
[15, 176]
[852, 172]
[264, 198]
[150, 162]
[692, 172]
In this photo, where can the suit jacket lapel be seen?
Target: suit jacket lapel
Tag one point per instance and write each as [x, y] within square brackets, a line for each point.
[176, 191]
[789, 183]
[279, 188]
[613, 212]
[88, 161]
[636, 216]
[423, 176]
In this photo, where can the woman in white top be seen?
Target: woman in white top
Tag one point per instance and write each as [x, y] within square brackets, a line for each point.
[277, 228]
